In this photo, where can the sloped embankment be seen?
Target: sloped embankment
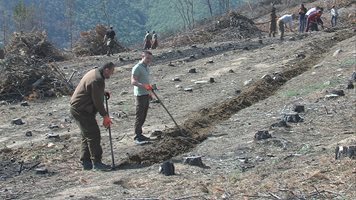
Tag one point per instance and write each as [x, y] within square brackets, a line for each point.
[198, 124]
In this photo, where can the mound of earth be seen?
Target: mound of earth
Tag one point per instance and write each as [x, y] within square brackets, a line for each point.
[22, 77]
[33, 45]
[25, 72]
[228, 27]
[91, 43]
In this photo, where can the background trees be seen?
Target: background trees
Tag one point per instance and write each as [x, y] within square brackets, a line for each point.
[64, 20]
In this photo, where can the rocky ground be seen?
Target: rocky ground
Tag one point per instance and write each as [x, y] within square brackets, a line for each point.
[255, 86]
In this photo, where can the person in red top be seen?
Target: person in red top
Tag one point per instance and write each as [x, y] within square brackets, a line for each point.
[313, 21]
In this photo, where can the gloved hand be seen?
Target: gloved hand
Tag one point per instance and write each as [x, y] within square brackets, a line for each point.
[107, 95]
[107, 121]
[148, 87]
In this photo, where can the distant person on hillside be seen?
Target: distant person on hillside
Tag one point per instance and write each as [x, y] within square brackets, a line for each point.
[140, 79]
[109, 39]
[273, 24]
[147, 41]
[87, 100]
[302, 19]
[313, 20]
[334, 15]
[155, 40]
[282, 23]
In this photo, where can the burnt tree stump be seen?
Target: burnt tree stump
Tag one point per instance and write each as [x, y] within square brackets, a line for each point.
[2, 54]
[292, 117]
[262, 135]
[298, 108]
[345, 151]
[167, 168]
[194, 160]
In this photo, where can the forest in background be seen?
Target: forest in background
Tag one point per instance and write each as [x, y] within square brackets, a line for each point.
[63, 20]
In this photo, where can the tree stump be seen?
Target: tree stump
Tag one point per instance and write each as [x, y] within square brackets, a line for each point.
[292, 117]
[192, 70]
[194, 160]
[167, 168]
[262, 135]
[281, 123]
[345, 151]
[338, 92]
[2, 54]
[298, 108]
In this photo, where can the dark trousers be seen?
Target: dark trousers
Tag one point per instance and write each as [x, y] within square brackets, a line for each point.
[142, 104]
[281, 28]
[302, 23]
[148, 45]
[272, 28]
[90, 144]
[333, 21]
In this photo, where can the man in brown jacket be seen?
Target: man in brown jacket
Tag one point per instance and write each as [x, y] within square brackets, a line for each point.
[87, 100]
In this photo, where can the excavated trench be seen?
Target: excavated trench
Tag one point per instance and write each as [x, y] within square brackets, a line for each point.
[197, 126]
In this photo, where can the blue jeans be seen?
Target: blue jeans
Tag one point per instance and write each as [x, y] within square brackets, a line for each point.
[302, 23]
[333, 21]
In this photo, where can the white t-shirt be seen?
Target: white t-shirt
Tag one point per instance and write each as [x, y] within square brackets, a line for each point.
[287, 19]
[334, 12]
[310, 11]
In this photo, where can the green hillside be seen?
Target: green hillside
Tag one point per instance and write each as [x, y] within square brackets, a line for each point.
[65, 19]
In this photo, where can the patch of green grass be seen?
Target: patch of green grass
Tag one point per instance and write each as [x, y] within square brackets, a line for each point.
[348, 62]
[305, 149]
[235, 176]
[309, 89]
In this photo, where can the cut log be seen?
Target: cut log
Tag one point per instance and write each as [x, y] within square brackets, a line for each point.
[194, 160]
[2, 54]
[167, 168]
[345, 151]
[262, 135]
[292, 117]
[298, 108]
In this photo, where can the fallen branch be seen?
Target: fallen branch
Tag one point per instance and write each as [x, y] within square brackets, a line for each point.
[21, 167]
[33, 166]
[326, 110]
[273, 195]
[188, 197]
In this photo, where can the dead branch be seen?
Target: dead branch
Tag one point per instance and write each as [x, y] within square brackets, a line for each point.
[188, 197]
[274, 195]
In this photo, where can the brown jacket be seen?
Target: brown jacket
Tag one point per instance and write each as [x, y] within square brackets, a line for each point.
[89, 94]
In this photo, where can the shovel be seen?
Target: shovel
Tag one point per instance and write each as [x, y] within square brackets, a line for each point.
[112, 152]
[159, 100]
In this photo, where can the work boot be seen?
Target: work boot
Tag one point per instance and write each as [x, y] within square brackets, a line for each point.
[87, 165]
[101, 166]
[141, 138]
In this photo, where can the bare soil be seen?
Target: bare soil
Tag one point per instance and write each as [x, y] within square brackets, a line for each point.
[219, 121]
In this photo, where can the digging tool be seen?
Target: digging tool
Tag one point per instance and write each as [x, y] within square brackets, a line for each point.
[159, 100]
[110, 139]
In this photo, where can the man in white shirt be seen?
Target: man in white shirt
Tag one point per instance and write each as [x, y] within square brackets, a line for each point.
[334, 15]
[283, 21]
